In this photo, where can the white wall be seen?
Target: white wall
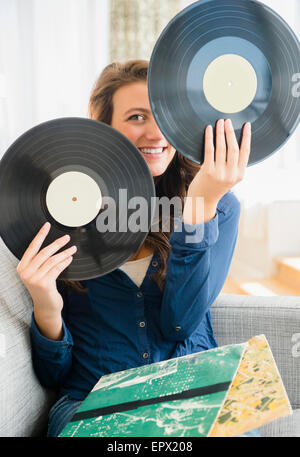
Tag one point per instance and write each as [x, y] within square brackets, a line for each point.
[51, 52]
[269, 231]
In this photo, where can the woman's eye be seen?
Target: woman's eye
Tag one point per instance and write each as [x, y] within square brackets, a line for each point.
[136, 117]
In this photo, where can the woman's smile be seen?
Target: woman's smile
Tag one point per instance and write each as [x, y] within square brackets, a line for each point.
[153, 153]
[133, 117]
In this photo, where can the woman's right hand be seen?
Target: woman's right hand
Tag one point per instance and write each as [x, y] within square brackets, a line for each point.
[39, 270]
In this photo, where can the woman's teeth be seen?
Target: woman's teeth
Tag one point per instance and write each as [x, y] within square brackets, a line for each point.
[152, 151]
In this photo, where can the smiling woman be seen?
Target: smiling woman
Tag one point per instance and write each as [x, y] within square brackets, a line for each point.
[121, 320]
[138, 124]
[120, 98]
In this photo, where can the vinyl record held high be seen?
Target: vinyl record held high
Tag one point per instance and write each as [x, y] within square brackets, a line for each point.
[222, 59]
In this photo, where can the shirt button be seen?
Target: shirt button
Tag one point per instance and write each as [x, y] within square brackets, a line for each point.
[154, 263]
[142, 324]
[139, 294]
[145, 355]
[177, 328]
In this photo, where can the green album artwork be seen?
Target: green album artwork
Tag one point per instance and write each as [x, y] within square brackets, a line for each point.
[180, 397]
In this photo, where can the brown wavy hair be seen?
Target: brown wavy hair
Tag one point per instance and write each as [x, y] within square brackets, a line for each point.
[173, 182]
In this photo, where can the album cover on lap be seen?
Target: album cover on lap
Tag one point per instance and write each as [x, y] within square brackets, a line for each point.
[222, 392]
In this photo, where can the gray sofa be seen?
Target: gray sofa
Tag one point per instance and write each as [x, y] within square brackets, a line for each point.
[24, 403]
[236, 318]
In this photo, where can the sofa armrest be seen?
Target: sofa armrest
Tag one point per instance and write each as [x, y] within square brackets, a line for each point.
[237, 318]
[24, 403]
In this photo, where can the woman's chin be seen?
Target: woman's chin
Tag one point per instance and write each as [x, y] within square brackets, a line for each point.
[157, 170]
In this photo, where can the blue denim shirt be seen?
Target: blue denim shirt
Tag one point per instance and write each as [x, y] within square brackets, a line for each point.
[118, 325]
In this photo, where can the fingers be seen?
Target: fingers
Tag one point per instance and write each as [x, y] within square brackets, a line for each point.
[220, 143]
[47, 252]
[54, 261]
[233, 149]
[209, 149]
[227, 148]
[32, 259]
[228, 151]
[34, 246]
[36, 264]
[58, 269]
[245, 146]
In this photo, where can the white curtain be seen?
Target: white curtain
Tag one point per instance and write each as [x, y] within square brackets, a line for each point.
[51, 52]
[137, 24]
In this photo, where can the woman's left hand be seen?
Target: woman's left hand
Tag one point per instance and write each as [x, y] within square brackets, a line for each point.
[222, 168]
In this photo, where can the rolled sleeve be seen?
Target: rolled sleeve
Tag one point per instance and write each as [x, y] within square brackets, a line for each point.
[196, 236]
[47, 348]
[197, 270]
[52, 360]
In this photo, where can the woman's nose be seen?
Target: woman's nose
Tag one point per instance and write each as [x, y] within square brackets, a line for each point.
[153, 132]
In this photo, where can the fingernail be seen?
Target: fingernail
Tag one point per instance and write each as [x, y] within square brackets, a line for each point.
[47, 225]
[229, 123]
[221, 121]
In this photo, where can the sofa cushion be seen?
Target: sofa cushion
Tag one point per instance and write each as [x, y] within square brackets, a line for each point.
[24, 403]
[285, 427]
[237, 318]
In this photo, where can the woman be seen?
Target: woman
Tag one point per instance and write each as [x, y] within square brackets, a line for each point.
[157, 306]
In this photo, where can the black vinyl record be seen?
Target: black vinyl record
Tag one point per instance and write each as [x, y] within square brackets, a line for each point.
[220, 59]
[40, 175]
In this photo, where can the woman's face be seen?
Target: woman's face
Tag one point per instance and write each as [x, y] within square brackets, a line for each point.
[133, 117]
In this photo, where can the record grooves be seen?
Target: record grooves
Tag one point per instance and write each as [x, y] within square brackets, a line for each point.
[103, 159]
[199, 35]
